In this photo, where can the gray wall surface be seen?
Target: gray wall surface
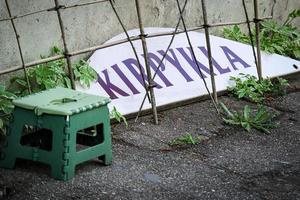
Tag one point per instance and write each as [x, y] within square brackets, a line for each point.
[94, 24]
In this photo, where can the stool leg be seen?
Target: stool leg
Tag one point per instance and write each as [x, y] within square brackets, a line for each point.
[56, 162]
[8, 157]
[62, 172]
[69, 156]
[107, 157]
[64, 146]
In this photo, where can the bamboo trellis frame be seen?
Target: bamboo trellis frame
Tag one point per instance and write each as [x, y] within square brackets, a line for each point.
[19, 45]
[66, 50]
[67, 55]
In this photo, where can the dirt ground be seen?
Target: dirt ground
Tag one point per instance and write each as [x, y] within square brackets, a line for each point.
[229, 164]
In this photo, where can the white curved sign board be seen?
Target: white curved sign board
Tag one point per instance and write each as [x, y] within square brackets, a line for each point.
[178, 78]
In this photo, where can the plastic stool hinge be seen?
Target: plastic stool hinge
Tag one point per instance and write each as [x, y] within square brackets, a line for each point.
[35, 154]
[65, 176]
[67, 131]
[66, 156]
[66, 143]
[67, 150]
[67, 121]
[39, 122]
[65, 169]
[66, 162]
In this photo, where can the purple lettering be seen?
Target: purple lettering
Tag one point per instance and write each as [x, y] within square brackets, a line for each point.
[125, 79]
[174, 61]
[152, 57]
[214, 62]
[233, 58]
[109, 87]
[192, 61]
[131, 63]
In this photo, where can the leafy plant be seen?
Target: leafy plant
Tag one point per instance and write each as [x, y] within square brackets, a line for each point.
[186, 139]
[236, 34]
[114, 113]
[261, 120]
[49, 75]
[83, 73]
[52, 74]
[275, 38]
[6, 107]
[18, 86]
[281, 39]
[293, 15]
[248, 87]
[279, 86]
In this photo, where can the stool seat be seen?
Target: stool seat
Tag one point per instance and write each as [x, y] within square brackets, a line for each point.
[59, 127]
[60, 101]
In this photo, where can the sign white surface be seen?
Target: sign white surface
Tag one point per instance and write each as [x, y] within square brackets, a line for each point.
[178, 78]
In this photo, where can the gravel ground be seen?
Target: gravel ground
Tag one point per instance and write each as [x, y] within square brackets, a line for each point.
[228, 164]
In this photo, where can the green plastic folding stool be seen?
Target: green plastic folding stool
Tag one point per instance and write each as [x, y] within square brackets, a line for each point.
[64, 112]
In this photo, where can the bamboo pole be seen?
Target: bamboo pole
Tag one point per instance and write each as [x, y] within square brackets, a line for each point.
[24, 15]
[19, 46]
[250, 34]
[164, 56]
[84, 4]
[194, 57]
[132, 46]
[211, 69]
[257, 36]
[53, 9]
[237, 23]
[66, 51]
[145, 51]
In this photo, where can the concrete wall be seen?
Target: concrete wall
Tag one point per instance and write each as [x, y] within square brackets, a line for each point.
[92, 25]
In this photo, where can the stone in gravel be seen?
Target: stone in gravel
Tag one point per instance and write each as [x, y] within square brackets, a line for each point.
[152, 178]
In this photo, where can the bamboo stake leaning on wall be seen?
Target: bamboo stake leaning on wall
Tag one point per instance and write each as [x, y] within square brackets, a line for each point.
[194, 57]
[164, 56]
[145, 51]
[257, 30]
[211, 69]
[24, 15]
[66, 51]
[250, 35]
[84, 4]
[53, 9]
[19, 46]
[132, 46]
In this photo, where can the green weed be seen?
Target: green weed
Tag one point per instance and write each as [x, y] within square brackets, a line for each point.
[186, 139]
[83, 73]
[52, 74]
[236, 34]
[114, 113]
[275, 38]
[248, 87]
[261, 120]
[6, 108]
